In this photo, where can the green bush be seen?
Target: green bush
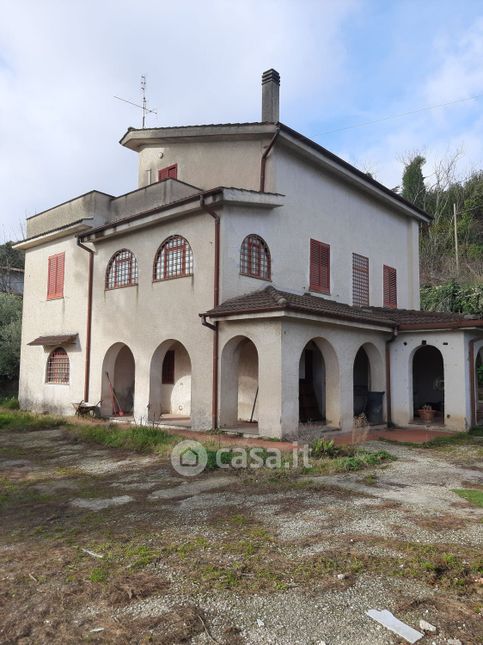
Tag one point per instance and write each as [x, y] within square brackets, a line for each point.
[453, 297]
[10, 403]
[323, 448]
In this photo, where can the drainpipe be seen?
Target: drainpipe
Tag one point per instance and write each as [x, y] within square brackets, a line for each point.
[473, 417]
[388, 377]
[263, 162]
[216, 302]
[90, 277]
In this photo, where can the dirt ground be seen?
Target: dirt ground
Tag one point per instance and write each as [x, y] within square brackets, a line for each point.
[105, 546]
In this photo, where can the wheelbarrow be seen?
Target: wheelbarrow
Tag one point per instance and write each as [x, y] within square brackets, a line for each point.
[86, 409]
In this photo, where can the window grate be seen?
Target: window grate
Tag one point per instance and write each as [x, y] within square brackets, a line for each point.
[360, 280]
[255, 258]
[390, 287]
[58, 366]
[174, 259]
[122, 270]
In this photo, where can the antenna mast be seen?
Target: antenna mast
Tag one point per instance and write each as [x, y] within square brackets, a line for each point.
[143, 94]
[144, 106]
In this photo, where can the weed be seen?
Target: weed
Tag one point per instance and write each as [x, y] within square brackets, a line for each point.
[471, 495]
[9, 403]
[137, 438]
[16, 420]
[323, 448]
[99, 574]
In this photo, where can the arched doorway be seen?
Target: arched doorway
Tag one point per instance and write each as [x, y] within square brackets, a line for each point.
[118, 381]
[369, 384]
[479, 387]
[311, 384]
[362, 381]
[170, 383]
[239, 382]
[428, 384]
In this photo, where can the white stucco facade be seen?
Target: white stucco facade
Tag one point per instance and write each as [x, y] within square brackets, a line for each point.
[293, 348]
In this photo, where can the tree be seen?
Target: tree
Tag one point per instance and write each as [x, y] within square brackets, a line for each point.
[10, 258]
[413, 187]
[10, 330]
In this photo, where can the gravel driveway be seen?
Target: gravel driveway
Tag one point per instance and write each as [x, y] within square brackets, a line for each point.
[109, 546]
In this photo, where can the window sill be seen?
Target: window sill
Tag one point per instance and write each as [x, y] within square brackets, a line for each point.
[255, 277]
[174, 277]
[55, 298]
[124, 286]
[322, 292]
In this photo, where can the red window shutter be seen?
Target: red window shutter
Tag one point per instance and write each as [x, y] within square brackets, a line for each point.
[319, 267]
[55, 280]
[360, 280]
[170, 172]
[59, 285]
[390, 287]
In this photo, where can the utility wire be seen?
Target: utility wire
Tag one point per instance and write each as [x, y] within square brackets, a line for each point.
[397, 116]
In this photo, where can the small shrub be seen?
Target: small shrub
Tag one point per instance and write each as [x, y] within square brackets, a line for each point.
[10, 403]
[323, 448]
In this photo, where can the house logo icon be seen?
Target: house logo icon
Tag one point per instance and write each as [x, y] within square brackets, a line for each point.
[189, 458]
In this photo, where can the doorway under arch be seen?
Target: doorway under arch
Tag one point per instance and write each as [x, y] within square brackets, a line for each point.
[312, 394]
[239, 382]
[170, 383]
[118, 381]
[428, 382]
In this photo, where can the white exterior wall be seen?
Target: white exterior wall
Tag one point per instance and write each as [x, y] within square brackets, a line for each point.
[206, 164]
[280, 343]
[151, 313]
[42, 317]
[454, 349]
[320, 206]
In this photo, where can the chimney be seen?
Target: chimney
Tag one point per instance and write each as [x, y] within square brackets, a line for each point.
[270, 96]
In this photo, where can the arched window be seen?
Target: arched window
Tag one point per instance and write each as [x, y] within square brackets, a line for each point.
[58, 366]
[122, 270]
[174, 259]
[255, 258]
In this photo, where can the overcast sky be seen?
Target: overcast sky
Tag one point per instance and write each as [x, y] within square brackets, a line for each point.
[342, 62]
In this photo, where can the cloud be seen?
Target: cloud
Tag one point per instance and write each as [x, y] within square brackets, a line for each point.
[61, 63]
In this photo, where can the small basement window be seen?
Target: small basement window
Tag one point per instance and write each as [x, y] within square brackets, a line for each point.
[58, 367]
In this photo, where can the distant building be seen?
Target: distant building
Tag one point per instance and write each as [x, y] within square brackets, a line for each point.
[11, 280]
[253, 276]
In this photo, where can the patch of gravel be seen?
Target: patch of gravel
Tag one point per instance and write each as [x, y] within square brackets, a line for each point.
[191, 488]
[103, 466]
[292, 617]
[96, 504]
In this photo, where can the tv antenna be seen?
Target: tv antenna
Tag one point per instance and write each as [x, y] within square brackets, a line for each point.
[144, 106]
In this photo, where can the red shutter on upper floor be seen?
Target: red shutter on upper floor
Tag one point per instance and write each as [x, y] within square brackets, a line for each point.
[319, 267]
[390, 287]
[55, 280]
[170, 172]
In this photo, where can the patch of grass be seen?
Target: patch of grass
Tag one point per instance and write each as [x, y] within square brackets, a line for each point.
[471, 495]
[16, 420]
[136, 438]
[9, 403]
[18, 493]
[358, 461]
[477, 431]
[99, 574]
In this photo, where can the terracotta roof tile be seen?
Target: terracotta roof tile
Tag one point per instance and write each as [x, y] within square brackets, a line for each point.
[271, 299]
